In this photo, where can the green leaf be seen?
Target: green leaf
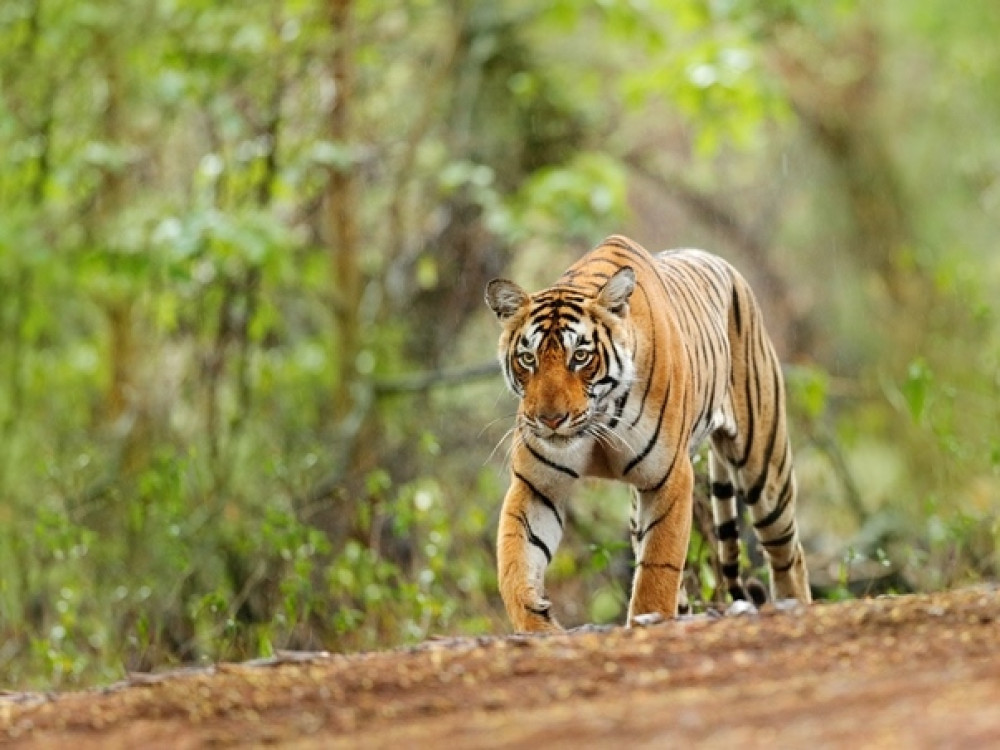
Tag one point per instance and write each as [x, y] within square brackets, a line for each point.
[916, 388]
[809, 389]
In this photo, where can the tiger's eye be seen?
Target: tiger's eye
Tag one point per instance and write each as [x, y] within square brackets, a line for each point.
[581, 356]
[527, 359]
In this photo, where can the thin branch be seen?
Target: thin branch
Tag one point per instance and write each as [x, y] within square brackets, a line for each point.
[418, 382]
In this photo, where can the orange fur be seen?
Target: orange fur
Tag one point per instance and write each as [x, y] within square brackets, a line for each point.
[622, 368]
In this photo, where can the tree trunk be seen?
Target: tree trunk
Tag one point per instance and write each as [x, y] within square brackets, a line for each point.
[341, 210]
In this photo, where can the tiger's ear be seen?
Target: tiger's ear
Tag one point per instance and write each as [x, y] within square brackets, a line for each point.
[614, 295]
[505, 298]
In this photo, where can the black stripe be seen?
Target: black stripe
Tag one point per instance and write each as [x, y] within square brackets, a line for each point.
[711, 279]
[551, 464]
[669, 566]
[727, 531]
[590, 386]
[706, 413]
[557, 303]
[606, 380]
[788, 528]
[656, 487]
[723, 490]
[753, 495]
[616, 240]
[670, 470]
[781, 541]
[619, 408]
[751, 406]
[738, 593]
[731, 570]
[532, 537]
[785, 568]
[693, 303]
[542, 612]
[736, 311]
[652, 524]
[651, 369]
[570, 276]
[773, 435]
[616, 353]
[611, 345]
[783, 500]
[653, 440]
[547, 502]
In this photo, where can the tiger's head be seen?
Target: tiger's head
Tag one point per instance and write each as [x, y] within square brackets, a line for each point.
[565, 354]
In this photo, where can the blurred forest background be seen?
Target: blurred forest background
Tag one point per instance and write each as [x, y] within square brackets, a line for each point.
[247, 400]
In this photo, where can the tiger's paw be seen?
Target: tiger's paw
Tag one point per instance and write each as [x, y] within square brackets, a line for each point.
[537, 618]
[647, 619]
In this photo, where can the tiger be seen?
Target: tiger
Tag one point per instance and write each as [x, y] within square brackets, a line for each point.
[622, 369]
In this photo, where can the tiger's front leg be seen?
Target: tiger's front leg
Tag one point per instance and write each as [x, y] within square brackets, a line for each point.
[661, 528]
[531, 527]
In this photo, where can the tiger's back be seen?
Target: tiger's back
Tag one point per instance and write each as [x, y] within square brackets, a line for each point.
[623, 368]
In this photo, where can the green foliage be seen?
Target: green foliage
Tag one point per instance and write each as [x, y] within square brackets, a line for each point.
[700, 567]
[916, 388]
[207, 453]
[572, 200]
[808, 391]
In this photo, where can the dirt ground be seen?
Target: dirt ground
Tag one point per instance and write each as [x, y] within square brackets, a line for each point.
[915, 671]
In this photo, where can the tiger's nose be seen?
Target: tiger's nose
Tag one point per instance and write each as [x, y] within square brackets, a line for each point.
[552, 420]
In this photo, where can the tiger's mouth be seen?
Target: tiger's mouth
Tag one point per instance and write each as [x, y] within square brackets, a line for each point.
[558, 438]
[559, 429]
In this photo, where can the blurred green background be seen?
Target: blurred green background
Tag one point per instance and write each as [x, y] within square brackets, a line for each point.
[246, 399]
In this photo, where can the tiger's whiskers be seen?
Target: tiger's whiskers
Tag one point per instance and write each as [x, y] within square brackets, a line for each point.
[609, 437]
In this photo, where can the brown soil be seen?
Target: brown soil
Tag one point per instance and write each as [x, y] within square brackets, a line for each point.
[915, 671]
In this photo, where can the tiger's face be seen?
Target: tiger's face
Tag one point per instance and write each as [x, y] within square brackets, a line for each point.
[566, 356]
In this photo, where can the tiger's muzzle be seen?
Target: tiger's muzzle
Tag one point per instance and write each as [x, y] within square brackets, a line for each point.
[558, 426]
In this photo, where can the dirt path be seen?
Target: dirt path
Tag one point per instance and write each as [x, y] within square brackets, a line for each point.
[918, 671]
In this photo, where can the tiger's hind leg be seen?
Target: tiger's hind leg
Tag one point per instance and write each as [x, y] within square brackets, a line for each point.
[770, 496]
[755, 444]
[725, 513]
[774, 523]
[760, 471]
